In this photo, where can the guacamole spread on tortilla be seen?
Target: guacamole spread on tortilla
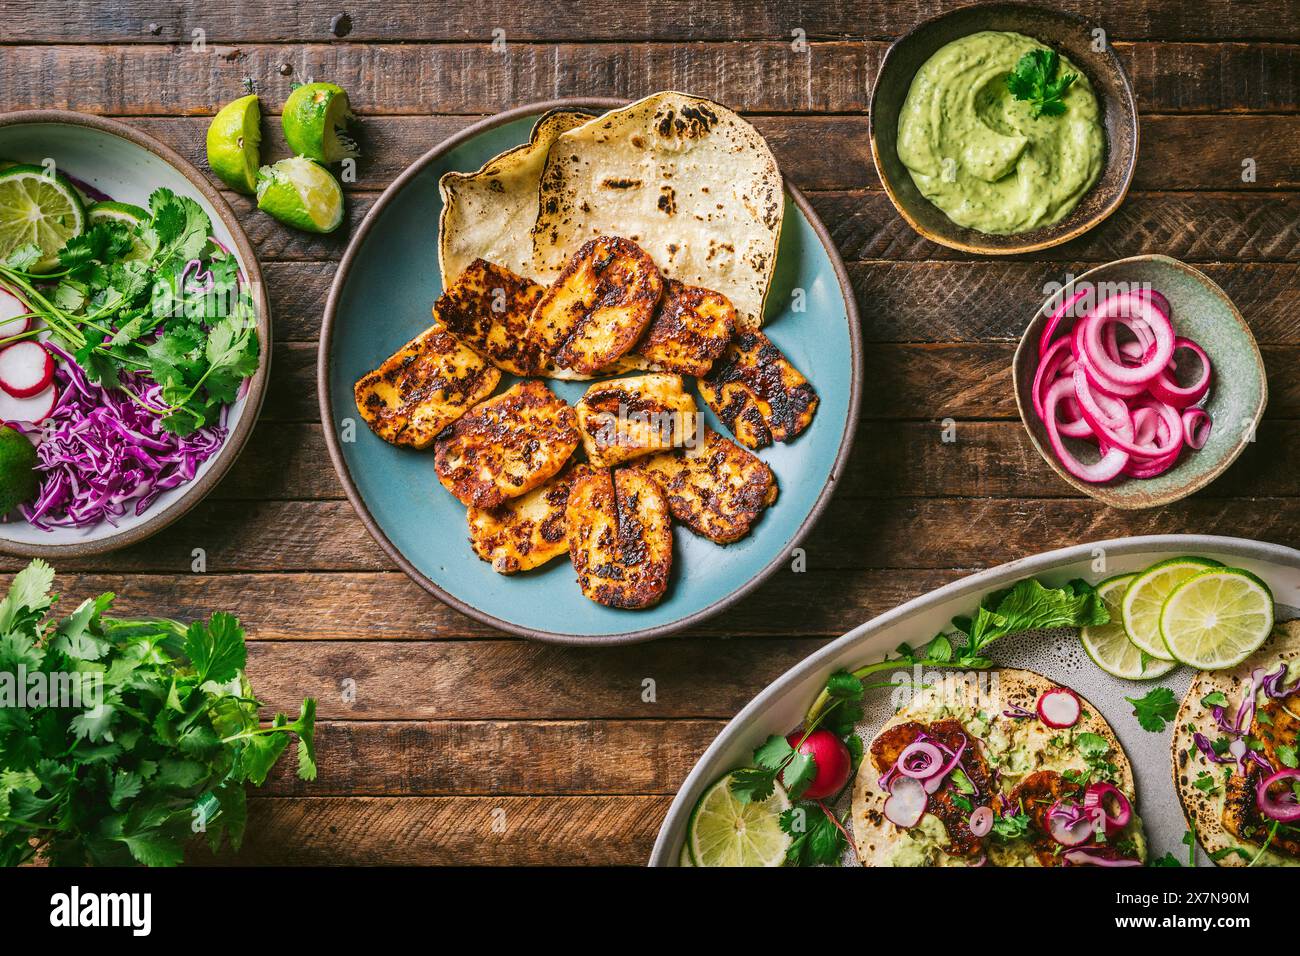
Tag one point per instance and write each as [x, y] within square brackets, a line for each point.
[981, 155]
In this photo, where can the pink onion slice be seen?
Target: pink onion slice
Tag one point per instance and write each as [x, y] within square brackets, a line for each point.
[981, 822]
[1197, 425]
[1054, 320]
[907, 802]
[920, 760]
[1104, 469]
[1166, 389]
[1095, 801]
[1048, 369]
[1128, 309]
[1284, 808]
[1090, 857]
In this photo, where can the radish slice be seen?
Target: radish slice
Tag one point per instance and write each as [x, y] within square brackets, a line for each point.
[1059, 708]
[14, 318]
[1068, 825]
[907, 802]
[981, 821]
[32, 410]
[25, 369]
[1197, 425]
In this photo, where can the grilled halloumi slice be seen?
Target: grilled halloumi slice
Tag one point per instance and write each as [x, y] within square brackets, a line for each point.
[600, 305]
[620, 537]
[626, 418]
[525, 532]
[426, 385]
[718, 489]
[689, 331]
[757, 393]
[489, 308]
[506, 446]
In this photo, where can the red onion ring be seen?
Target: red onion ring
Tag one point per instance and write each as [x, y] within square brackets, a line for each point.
[1165, 388]
[1107, 467]
[1094, 800]
[1127, 309]
[1197, 426]
[931, 760]
[981, 822]
[1281, 808]
[1049, 329]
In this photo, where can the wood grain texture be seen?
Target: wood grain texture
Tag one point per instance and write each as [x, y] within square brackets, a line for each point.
[760, 76]
[225, 21]
[432, 831]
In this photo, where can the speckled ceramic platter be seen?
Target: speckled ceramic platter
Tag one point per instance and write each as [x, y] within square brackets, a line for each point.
[1201, 312]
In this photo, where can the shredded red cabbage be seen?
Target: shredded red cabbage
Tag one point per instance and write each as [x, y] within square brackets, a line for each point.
[101, 451]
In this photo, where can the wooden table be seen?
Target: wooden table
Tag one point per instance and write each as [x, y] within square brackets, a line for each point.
[463, 745]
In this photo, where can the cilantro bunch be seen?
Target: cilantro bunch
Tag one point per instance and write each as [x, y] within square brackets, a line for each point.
[164, 751]
[1036, 79]
[159, 298]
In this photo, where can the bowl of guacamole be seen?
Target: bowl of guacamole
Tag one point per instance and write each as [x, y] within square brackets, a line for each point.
[1003, 128]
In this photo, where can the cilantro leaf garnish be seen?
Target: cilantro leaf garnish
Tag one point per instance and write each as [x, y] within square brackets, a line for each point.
[1035, 79]
[1155, 709]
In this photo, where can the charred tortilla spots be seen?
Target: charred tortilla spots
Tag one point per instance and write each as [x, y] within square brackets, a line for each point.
[599, 306]
[506, 446]
[425, 386]
[620, 537]
[757, 393]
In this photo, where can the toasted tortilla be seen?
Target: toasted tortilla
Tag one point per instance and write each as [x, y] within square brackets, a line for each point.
[1205, 811]
[685, 178]
[489, 214]
[876, 838]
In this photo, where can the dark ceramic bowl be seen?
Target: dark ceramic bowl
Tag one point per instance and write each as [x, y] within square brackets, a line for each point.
[1201, 312]
[1070, 35]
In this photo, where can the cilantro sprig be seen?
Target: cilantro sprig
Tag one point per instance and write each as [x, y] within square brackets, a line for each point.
[1155, 709]
[1035, 79]
[160, 298]
[163, 751]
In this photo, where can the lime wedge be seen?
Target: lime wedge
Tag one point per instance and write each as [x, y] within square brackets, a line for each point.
[725, 832]
[315, 121]
[130, 216]
[301, 194]
[1108, 644]
[233, 139]
[1218, 618]
[18, 479]
[38, 208]
[1141, 604]
[684, 858]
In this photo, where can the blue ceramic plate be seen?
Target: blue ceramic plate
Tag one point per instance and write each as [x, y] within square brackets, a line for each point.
[381, 298]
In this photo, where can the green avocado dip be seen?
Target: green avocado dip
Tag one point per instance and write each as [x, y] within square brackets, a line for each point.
[983, 156]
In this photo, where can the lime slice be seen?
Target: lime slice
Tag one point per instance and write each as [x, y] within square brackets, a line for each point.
[40, 208]
[301, 194]
[684, 858]
[18, 480]
[1108, 644]
[233, 138]
[725, 832]
[315, 118]
[130, 216]
[1141, 604]
[1218, 618]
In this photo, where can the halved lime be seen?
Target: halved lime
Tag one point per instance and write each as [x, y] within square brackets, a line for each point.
[40, 208]
[1108, 644]
[130, 216]
[233, 139]
[1218, 618]
[300, 193]
[684, 858]
[315, 119]
[725, 832]
[1141, 604]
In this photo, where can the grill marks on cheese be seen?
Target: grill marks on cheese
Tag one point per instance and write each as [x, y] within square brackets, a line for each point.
[490, 309]
[525, 532]
[422, 388]
[620, 537]
[506, 446]
[757, 393]
[629, 417]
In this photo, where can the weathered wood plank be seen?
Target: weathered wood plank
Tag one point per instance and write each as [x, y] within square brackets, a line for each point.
[855, 533]
[451, 758]
[901, 301]
[908, 381]
[389, 606]
[1178, 152]
[432, 831]
[474, 78]
[130, 21]
[987, 459]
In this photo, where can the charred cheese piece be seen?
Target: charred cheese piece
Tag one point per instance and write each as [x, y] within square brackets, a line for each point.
[424, 387]
[620, 537]
[757, 393]
[489, 309]
[599, 306]
[688, 333]
[506, 446]
[630, 417]
[718, 490]
[525, 532]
